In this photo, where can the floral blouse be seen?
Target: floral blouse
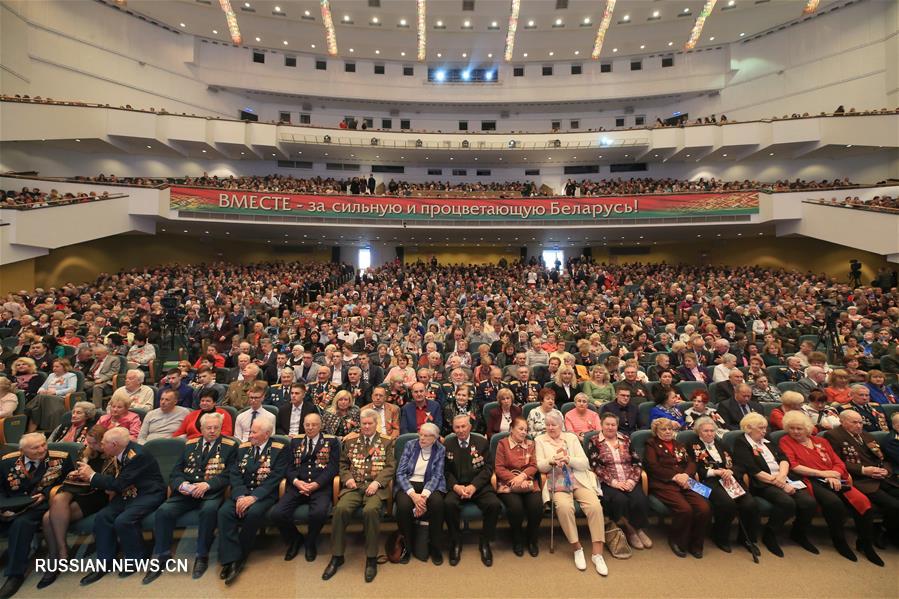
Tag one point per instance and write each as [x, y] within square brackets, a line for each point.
[612, 464]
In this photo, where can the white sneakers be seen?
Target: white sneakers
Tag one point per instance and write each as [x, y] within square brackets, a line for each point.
[600, 564]
[579, 561]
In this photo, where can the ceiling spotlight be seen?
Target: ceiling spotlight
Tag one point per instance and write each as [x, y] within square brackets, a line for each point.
[402, 53]
[494, 24]
[440, 23]
[464, 55]
[258, 39]
[712, 39]
[771, 154]
[626, 18]
[215, 32]
[731, 2]
[440, 75]
[577, 52]
[686, 10]
[655, 14]
[377, 51]
[149, 147]
[466, 24]
[670, 43]
[552, 53]
[182, 24]
[402, 22]
[247, 4]
[558, 22]
[642, 46]
[489, 77]
[439, 55]
[374, 20]
[531, 23]
[204, 151]
[352, 50]
[466, 75]
[586, 20]
[743, 34]
[525, 54]
[311, 45]
[490, 55]
[306, 13]
[277, 9]
[614, 49]
[285, 42]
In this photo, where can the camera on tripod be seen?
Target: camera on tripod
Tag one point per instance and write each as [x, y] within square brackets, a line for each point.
[171, 304]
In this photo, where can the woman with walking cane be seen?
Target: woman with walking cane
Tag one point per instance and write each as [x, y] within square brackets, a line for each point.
[561, 456]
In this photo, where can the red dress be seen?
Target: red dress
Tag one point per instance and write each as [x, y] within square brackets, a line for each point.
[822, 457]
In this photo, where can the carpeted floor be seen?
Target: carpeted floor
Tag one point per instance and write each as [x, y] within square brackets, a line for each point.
[653, 573]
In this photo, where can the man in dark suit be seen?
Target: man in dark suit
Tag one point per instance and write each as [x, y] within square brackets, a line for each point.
[354, 386]
[139, 489]
[372, 374]
[198, 482]
[310, 477]
[292, 415]
[7, 321]
[275, 367]
[469, 466]
[733, 410]
[791, 373]
[419, 410]
[871, 474]
[26, 476]
[523, 389]
[254, 476]
[725, 389]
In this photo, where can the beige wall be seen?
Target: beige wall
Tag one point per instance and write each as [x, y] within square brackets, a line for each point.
[799, 253]
[463, 255]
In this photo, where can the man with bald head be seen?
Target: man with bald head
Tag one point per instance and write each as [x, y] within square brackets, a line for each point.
[138, 489]
[814, 379]
[26, 476]
[733, 410]
[238, 391]
[254, 477]
[310, 477]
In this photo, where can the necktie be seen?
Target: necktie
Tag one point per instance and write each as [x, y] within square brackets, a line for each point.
[29, 466]
[463, 444]
[205, 452]
[253, 417]
[745, 409]
[257, 454]
[308, 450]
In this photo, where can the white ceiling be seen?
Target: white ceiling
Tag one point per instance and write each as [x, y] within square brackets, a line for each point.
[375, 32]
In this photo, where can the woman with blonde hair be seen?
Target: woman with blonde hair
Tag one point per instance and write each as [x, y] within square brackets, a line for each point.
[837, 388]
[565, 385]
[118, 414]
[9, 401]
[342, 417]
[599, 387]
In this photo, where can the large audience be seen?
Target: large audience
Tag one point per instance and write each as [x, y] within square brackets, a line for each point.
[582, 374]
[883, 203]
[35, 198]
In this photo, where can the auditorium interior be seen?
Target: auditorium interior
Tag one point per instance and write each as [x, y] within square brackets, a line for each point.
[431, 292]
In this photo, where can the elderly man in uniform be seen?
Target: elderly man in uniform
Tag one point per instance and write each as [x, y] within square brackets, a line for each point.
[523, 389]
[367, 465]
[198, 482]
[27, 477]
[310, 478]
[254, 477]
[139, 489]
[468, 469]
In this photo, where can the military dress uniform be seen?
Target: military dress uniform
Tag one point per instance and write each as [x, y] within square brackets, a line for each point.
[139, 489]
[448, 392]
[523, 393]
[256, 473]
[278, 395]
[199, 462]
[309, 462]
[22, 479]
[363, 460]
[873, 419]
[486, 392]
[321, 394]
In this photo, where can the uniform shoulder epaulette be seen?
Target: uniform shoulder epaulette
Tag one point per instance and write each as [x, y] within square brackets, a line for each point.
[58, 454]
[131, 453]
[13, 454]
[245, 444]
[194, 440]
[302, 436]
[227, 441]
[350, 437]
[326, 436]
[385, 437]
[277, 445]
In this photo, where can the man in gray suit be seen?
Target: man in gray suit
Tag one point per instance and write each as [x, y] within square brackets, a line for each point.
[307, 370]
[814, 379]
[98, 380]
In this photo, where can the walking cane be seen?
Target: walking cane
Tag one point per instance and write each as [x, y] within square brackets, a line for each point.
[750, 546]
[552, 511]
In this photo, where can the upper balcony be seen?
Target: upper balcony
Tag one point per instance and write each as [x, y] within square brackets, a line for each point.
[96, 128]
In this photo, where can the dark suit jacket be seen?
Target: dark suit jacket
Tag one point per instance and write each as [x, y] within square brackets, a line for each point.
[320, 466]
[724, 391]
[891, 449]
[494, 418]
[408, 421]
[806, 385]
[730, 411]
[661, 465]
[858, 455]
[139, 476]
[746, 462]
[685, 374]
[282, 420]
[17, 484]
[705, 462]
[243, 471]
[191, 468]
[471, 466]
[561, 397]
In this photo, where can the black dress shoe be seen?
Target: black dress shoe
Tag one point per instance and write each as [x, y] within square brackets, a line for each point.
[11, 586]
[534, 548]
[333, 565]
[92, 578]
[697, 553]
[486, 554]
[311, 553]
[675, 548]
[436, 556]
[769, 539]
[405, 556]
[236, 569]
[200, 566]
[151, 576]
[371, 568]
[518, 548]
[126, 574]
[868, 550]
[294, 549]
[724, 546]
[455, 554]
[843, 549]
[226, 571]
[803, 542]
[47, 579]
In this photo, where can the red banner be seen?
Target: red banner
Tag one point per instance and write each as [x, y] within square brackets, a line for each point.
[219, 201]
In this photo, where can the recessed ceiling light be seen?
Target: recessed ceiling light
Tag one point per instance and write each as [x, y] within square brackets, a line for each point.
[494, 24]
[466, 24]
[530, 23]
[577, 52]
[848, 145]
[464, 55]
[771, 154]
[490, 55]
[310, 45]
[403, 22]
[247, 4]
[182, 24]
[742, 34]
[558, 21]
[352, 50]
[149, 147]
[78, 140]
[626, 18]
[440, 23]
[242, 153]
[285, 42]
[525, 54]
[642, 46]
[686, 10]
[655, 14]
[272, 154]
[258, 39]
[277, 9]
[439, 55]
[586, 20]
[731, 2]
[346, 18]
[204, 151]
[552, 53]
[215, 32]
[374, 20]
[614, 49]
[377, 51]
[670, 43]
[306, 13]
[725, 155]
[402, 53]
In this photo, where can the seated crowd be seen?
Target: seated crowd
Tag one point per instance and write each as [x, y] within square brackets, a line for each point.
[876, 204]
[35, 198]
[569, 384]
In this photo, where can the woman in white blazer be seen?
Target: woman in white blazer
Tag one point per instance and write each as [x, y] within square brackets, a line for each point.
[568, 479]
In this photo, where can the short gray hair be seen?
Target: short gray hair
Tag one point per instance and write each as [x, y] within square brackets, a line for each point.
[555, 417]
[88, 407]
[138, 373]
[430, 427]
[29, 438]
[701, 421]
[369, 414]
[214, 416]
